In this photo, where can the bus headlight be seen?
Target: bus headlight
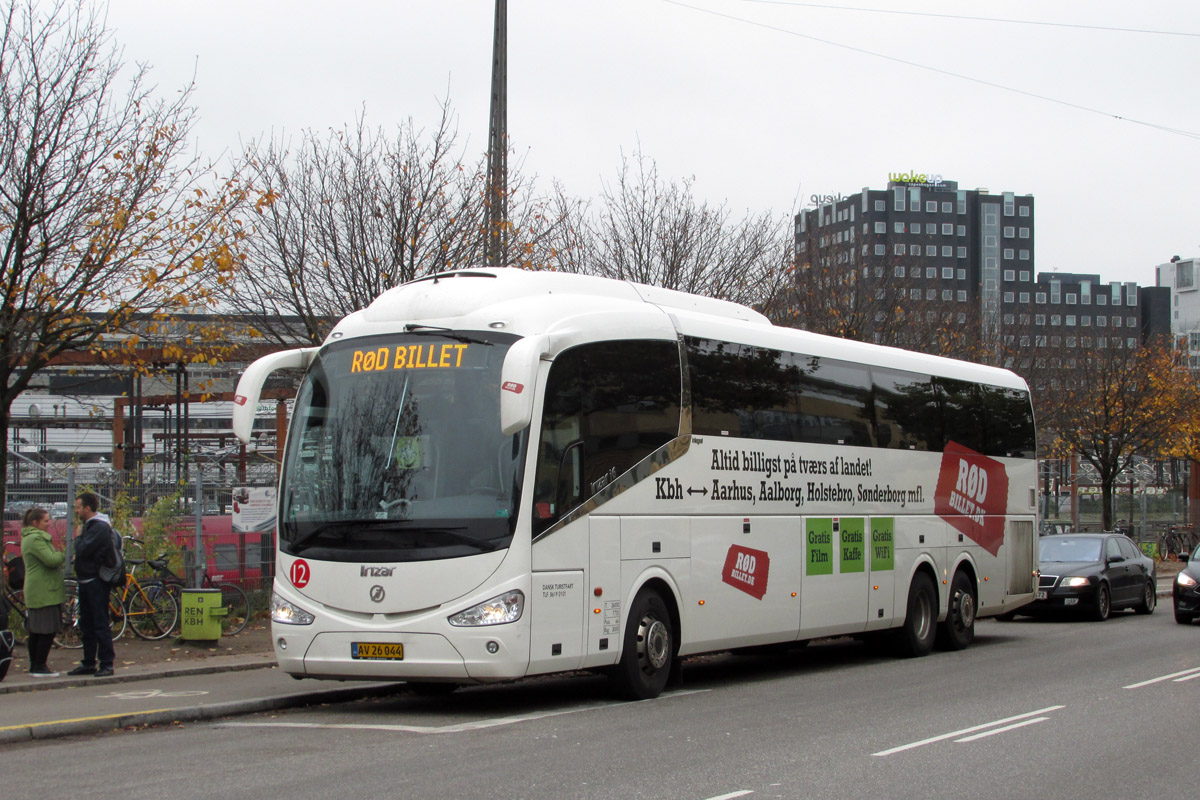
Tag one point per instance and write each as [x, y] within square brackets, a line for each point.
[287, 613]
[497, 611]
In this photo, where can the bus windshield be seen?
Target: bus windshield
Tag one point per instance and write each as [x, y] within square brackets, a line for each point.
[395, 451]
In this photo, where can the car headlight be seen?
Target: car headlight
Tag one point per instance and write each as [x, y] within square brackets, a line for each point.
[1183, 579]
[289, 613]
[1075, 582]
[499, 610]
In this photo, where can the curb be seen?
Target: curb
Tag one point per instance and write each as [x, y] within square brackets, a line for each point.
[129, 677]
[53, 730]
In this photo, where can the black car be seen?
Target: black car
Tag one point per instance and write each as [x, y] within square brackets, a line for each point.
[1187, 590]
[1094, 573]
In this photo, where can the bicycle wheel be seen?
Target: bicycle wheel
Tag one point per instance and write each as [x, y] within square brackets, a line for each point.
[16, 615]
[68, 637]
[116, 613]
[152, 611]
[238, 605]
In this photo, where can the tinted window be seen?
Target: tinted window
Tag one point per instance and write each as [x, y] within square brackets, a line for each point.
[906, 411]
[608, 405]
[739, 390]
[836, 403]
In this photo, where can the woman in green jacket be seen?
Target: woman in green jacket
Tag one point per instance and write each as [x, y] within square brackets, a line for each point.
[45, 591]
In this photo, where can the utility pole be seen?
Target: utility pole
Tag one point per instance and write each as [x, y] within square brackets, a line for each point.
[496, 243]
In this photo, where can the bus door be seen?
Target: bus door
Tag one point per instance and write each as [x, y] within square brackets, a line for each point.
[835, 596]
[881, 563]
[746, 581]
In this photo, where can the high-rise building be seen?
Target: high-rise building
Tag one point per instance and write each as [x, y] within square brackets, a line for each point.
[969, 255]
[1181, 278]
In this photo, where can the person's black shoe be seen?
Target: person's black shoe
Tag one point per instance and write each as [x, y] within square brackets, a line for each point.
[82, 670]
[104, 673]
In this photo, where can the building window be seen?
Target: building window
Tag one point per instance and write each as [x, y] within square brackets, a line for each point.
[931, 228]
[1070, 320]
[931, 294]
[961, 274]
[1023, 255]
[1008, 319]
[1072, 299]
[1009, 297]
[960, 252]
[880, 249]
[961, 198]
[914, 249]
[947, 273]
[947, 251]
[1040, 297]
[1009, 231]
[1101, 322]
[881, 227]
[1039, 320]
[947, 294]
[931, 206]
[1131, 343]
[931, 250]
[1040, 340]
[947, 207]
[1009, 253]
[1010, 275]
[898, 227]
[1085, 322]
[915, 294]
[899, 249]
[931, 272]
[898, 271]
[1024, 278]
[947, 229]
[898, 196]
[961, 294]
[1023, 211]
[914, 198]
[1023, 233]
[960, 230]
[1023, 297]
[1118, 321]
[881, 205]
[1070, 341]
[1055, 320]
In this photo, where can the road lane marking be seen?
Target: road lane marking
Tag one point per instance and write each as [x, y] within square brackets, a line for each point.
[146, 694]
[1005, 729]
[972, 729]
[82, 719]
[731, 795]
[462, 727]
[1190, 673]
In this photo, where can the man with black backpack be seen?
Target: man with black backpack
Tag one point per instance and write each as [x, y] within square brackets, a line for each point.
[94, 550]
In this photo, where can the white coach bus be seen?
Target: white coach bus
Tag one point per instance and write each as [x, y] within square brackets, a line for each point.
[495, 473]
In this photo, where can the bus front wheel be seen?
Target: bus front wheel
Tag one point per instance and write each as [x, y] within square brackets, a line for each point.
[648, 650]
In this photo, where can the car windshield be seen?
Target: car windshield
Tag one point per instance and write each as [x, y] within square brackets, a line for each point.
[395, 450]
[1069, 548]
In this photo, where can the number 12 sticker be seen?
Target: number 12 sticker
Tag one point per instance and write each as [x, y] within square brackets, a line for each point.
[300, 573]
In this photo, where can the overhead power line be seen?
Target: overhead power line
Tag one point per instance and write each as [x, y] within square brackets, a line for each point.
[939, 71]
[975, 19]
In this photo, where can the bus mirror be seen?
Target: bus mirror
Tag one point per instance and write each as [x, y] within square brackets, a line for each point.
[516, 382]
[245, 397]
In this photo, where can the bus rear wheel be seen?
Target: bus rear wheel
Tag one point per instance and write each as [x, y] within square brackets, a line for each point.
[959, 628]
[915, 637]
[648, 652]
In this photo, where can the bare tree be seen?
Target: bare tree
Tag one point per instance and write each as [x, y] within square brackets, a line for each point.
[105, 218]
[649, 230]
[356, 212]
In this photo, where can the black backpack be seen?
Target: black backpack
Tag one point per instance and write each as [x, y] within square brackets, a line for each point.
[14, 572]
[114, 574]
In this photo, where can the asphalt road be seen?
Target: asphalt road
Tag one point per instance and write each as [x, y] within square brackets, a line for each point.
[1056, 708]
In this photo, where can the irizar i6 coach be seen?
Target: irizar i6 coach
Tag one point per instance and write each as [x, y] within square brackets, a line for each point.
[496, 473]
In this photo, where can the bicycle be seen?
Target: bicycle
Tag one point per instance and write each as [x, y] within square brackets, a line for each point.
[232, 597]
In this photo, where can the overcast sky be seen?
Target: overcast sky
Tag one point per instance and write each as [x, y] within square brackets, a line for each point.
[763, 103]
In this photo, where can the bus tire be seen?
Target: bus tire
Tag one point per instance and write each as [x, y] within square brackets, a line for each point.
[915, 637]
[648, 652]
[959, 628]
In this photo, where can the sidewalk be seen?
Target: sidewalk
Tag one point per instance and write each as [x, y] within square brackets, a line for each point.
[161, 683]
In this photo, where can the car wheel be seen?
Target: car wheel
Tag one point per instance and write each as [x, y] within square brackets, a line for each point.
[1103, 605]
[648, 652]
[959, 628]
[1149, 599]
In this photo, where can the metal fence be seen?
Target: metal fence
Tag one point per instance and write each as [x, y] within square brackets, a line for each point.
[200, 523]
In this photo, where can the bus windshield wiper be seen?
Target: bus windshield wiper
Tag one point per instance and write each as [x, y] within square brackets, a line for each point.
[417, 328]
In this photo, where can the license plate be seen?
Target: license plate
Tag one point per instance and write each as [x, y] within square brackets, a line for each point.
[377, 650]
[1041, 595]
